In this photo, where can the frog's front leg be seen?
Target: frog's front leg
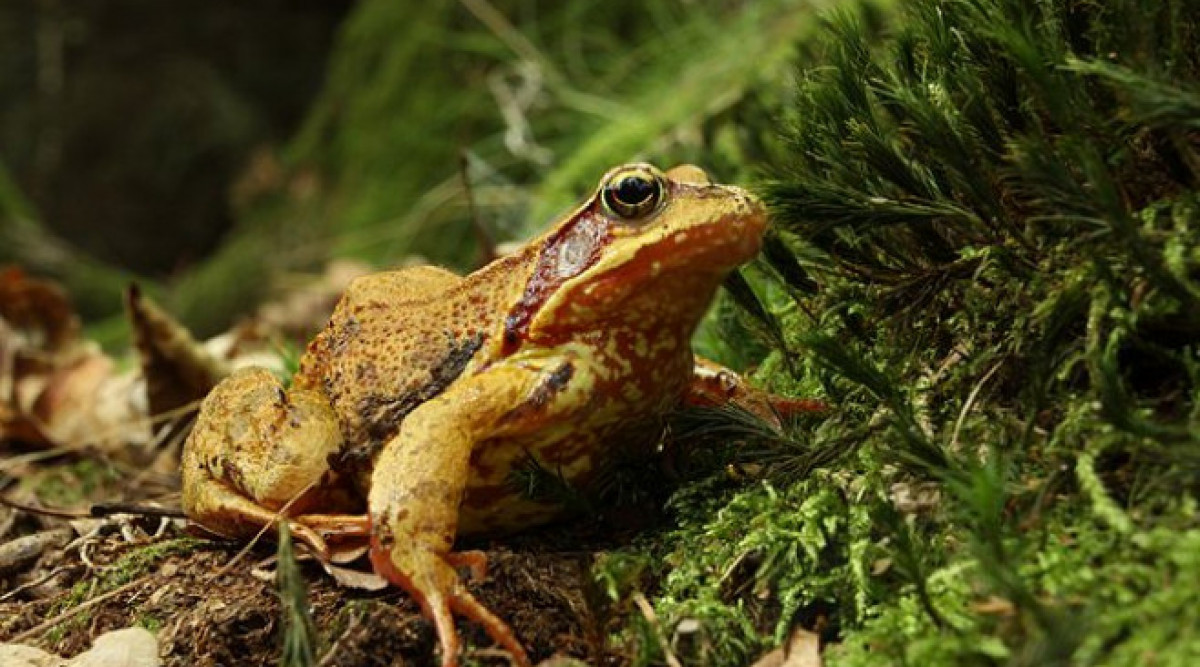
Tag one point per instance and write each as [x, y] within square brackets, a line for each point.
[714, 385]
[419, 481]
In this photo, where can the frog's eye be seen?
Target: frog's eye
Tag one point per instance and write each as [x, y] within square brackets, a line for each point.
[632, 193]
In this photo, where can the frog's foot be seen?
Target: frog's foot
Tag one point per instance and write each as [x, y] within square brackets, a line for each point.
[433, 582]
[474, 561]
[226, 513]
[337, 527]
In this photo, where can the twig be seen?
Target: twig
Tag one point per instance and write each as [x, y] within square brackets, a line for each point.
[108, 509]
[45, 511]
[491, 652]
[487, 244]
[96, 510]
[962, 416]
[643, 606]
[21, 550]
[32, 457]
[42, 627]
[37, 582]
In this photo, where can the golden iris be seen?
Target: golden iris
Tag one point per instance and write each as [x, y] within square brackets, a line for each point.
[633, 193]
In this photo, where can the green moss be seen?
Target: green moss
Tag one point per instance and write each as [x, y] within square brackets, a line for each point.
[125, 569]
[76, 623]
[762, 561]
[149, 622]
[73, 484]
[986, 261]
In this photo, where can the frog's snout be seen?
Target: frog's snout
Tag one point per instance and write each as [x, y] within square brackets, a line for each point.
[750, 216]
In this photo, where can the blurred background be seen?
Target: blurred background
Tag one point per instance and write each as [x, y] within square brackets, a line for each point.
[218, 152]
[985, 256]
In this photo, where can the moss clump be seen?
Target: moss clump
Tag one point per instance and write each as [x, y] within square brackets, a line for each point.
[985, 257]
[149, 621]
[767, 558]
[127, 568]
[73, 484]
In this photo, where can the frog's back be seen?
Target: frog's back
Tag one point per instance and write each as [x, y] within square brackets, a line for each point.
[396, 340]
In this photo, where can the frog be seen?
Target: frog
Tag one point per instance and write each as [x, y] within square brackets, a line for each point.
[412, 409]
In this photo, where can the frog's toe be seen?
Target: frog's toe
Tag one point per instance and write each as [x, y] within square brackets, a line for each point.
[217, 509]
[474, 561]
[310, 538]
[338, 527]
[796, 407]
[432, 581]
[465, 604]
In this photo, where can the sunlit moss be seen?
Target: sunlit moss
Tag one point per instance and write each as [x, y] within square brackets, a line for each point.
[996, 201]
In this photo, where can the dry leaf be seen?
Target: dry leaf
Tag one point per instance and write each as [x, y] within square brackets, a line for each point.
[39, 308]
[131, 647]
[803, 649]
[352, 578]
[178, 369]
[56, 389]
[343, 554]
[19, 655]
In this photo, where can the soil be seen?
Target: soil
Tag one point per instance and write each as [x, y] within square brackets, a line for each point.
[205, 612]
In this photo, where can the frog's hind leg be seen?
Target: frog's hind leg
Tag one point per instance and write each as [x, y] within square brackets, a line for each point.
[257, 453]
[434, 583]
[417, 487]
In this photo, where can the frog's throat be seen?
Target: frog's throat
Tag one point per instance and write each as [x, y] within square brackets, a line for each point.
[568, 251]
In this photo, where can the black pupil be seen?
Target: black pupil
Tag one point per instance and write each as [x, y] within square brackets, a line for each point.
[634, 190]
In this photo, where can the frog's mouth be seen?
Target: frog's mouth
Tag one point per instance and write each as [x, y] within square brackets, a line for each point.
[695, 257]
[676, 266]
[715, 246]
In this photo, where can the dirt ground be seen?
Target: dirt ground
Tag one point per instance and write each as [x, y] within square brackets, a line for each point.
[204, 611]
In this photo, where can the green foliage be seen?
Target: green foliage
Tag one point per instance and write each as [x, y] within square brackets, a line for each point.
[986, 258]
[678, 100]
[529, 102]
[549, 95]
[73, 484]
[769, 558]
[299, 631]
